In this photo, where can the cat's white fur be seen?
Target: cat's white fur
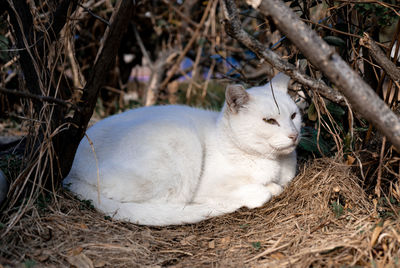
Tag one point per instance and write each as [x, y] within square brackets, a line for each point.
[166, 165]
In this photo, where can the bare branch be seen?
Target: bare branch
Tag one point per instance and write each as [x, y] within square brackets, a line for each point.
[362, 98]
[36, 97]
[22, 21]
[234, 28]
[30, 41]
[380, 57]
[88, 10]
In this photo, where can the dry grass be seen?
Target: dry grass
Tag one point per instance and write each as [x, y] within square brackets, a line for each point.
[299, 228]
[323, 218]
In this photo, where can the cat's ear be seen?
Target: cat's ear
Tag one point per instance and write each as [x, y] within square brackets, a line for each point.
[280, 82]
[236, 97]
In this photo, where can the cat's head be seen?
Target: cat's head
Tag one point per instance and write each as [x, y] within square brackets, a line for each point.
[262, 120]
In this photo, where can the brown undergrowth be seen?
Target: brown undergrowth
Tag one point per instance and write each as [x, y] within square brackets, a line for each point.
[323, 218]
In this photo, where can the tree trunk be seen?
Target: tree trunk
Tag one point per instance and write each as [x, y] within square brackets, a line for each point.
[68, 141]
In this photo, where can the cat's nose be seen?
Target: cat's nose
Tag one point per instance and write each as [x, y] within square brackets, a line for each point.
[293, 137]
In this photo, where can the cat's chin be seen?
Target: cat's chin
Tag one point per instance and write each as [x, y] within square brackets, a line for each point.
[285, 150]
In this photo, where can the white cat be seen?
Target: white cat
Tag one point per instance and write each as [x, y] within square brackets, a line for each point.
[174, 164]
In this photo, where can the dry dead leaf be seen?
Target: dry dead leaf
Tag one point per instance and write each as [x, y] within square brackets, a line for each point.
[83, 226]
[80, 261]
[211, 244]
[277, 256]
[75, 251]
[225, 241]
[350, 160]
[336, 189]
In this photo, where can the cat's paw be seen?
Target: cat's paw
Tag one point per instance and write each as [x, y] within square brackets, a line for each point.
[274, 189]
[253, 195]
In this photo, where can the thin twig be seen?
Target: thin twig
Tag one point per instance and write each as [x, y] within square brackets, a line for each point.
[325, 58]
[183, 16]
[97, 167]
[239, 70]
[392, 7]
[141, 45]
[331, 28]
[188, 46]
[338, 31]
[88, 10]
[269, 250]
[37, 97]
[234, 28]
[199, 53]
[379, 176]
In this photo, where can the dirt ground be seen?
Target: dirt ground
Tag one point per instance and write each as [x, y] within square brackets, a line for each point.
[323, 219]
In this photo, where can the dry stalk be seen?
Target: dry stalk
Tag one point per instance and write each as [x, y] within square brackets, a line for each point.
[199, 51]
[194, 37]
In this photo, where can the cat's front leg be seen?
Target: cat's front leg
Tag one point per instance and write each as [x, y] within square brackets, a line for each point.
[274, 189]
[247, 195]
[287, 169]
[252, 195]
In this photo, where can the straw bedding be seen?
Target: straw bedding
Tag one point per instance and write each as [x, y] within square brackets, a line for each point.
[322, 219]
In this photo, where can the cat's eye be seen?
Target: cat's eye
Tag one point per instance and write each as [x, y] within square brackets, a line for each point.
[293, 116]
[271, 121]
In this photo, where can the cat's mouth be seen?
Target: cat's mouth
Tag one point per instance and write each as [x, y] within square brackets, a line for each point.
[285, 149]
